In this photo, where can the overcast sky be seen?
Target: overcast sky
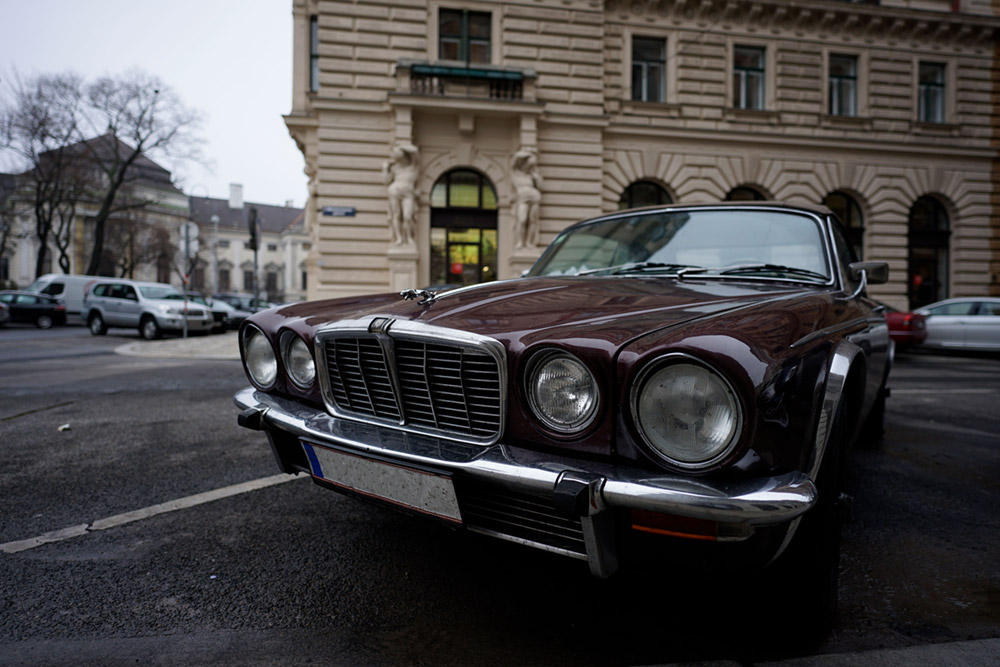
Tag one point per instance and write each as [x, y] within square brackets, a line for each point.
[229, 59]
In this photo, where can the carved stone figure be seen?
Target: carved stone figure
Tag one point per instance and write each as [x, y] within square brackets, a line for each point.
[527, 198]
[400, 176]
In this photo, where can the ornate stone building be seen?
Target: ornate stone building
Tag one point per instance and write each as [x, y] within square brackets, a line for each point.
[447, 141]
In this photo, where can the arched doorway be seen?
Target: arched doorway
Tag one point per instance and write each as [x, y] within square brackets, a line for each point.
[928, 257]
[643, 193]
[463, 229]
[849, 212]
[745, 193]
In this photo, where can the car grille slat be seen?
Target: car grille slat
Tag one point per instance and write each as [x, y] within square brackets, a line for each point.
[520, 516]
[436, 386]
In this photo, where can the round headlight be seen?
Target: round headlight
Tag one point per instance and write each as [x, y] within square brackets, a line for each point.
[298, 361]
[260, 360]
[688, 414]
[562, 392]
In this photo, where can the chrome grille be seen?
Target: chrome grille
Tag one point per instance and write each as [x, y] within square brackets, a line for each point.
[519, 517]
[429, 386]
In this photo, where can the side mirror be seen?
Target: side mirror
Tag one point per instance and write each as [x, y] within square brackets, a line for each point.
[875, 273]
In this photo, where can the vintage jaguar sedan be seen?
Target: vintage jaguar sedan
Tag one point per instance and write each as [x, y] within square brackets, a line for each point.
[678, 382]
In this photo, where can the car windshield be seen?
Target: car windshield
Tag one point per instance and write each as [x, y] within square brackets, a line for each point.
[709, 242]
[160, 292]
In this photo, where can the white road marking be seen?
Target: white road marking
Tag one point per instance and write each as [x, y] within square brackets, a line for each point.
[147, 512]
[942, 391]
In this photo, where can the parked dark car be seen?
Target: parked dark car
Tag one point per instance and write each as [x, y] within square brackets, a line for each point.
[233, 317]
[905, 328]
[219, 312]
[971, 323]
[242, 301]
[41, 310]
[678, 384]
[4, 313]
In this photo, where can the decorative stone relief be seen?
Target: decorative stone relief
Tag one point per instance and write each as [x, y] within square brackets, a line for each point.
[400, 173]
[527, 183]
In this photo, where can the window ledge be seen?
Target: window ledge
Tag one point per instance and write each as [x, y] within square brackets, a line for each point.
[837, 121]
[936, 129]
[639, 108]
[752, 115]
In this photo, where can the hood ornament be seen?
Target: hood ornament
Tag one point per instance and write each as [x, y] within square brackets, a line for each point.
[426, 297]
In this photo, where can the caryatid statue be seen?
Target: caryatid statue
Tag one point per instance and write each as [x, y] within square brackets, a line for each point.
[527, 197]
[400, 175]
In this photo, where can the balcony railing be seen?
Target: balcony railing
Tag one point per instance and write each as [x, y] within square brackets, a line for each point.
[458, 80]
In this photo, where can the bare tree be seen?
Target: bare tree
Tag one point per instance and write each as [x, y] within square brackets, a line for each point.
[138, 115]
[135, 241]
[38, 127]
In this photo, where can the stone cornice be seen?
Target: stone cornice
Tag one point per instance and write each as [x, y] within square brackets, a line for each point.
[847, 20]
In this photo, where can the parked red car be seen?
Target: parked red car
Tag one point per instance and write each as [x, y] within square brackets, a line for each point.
[906, 329]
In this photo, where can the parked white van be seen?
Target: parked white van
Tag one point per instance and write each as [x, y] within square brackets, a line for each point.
[67, 287]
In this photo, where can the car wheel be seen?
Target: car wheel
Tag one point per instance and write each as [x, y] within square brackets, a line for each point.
[44, 322]
[149, 329]
[874, 426]
[96, 324]
[809, 570]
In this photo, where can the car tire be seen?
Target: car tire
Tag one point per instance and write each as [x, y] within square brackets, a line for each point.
[809, 569]
[149, 329]
[44, 322]
[96, 324]
[874, 426]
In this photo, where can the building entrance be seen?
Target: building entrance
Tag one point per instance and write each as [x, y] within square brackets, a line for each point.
[463, 229]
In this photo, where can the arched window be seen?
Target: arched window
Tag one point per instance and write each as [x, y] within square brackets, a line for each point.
[928, 257]
[745, 193]
[847, 209]
[643, 193]
[463, 229]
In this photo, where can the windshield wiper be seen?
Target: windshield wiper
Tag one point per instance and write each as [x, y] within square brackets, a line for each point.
[772, 268]
[635, 267]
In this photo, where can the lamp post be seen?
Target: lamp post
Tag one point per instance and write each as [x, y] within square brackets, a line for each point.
[215, 254]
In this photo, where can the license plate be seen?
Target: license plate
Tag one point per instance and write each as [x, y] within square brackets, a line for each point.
[420, 490]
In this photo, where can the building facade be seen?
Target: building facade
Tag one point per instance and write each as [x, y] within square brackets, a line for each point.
[448, 141]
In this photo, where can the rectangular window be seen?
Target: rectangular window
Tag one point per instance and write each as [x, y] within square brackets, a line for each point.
[843, 86]
[248, 281]
[464, 35]
[223, 243]
[648, 69]
[931, 93]
[271, 283]
[313, 54]
[272, 247]
[223, 280]
[305, 281]
[748, 77]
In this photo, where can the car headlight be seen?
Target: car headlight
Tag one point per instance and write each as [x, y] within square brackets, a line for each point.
[687, 413]
[260, 360]
[298, 360]
[562, 392]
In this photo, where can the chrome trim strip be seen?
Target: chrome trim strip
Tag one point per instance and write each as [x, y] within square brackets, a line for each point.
[756, 501]
[416, 331]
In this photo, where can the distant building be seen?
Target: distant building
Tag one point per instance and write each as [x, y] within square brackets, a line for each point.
[434, 132]
[226, 259]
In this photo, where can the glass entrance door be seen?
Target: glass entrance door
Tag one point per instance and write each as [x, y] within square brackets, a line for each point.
[463, 256]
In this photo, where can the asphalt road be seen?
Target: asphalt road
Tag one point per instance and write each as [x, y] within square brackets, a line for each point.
[125, 551]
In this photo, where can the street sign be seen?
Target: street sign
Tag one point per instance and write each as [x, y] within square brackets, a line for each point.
[189, 230]
[340, 211]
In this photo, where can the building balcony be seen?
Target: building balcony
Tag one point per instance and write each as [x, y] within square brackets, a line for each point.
[458, 81]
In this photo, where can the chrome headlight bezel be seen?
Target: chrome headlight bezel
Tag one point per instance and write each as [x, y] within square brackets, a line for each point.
[259, 358]
[543, 360]
[292, 344]
[674, 453]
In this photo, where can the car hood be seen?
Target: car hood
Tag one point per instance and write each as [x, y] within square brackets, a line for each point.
[605, 311]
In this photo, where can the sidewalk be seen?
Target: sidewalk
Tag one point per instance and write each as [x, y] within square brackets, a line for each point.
[204, 346]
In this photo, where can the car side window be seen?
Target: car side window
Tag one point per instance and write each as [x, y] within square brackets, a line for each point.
[26, 298]
[129, 293]
[100, 290]
[845, 255]
[954, 309]
[53, 288]
[7, 298]
[117, 292]
[988, 308]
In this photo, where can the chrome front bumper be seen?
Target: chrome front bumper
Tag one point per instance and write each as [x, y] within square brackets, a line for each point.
[585, 488]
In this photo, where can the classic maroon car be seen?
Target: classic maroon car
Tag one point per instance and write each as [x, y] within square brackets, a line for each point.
[680, 381]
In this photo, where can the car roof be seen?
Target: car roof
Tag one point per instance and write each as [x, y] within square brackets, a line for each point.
[817, 210]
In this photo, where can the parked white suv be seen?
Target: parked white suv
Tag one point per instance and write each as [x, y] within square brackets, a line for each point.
[150, 307]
